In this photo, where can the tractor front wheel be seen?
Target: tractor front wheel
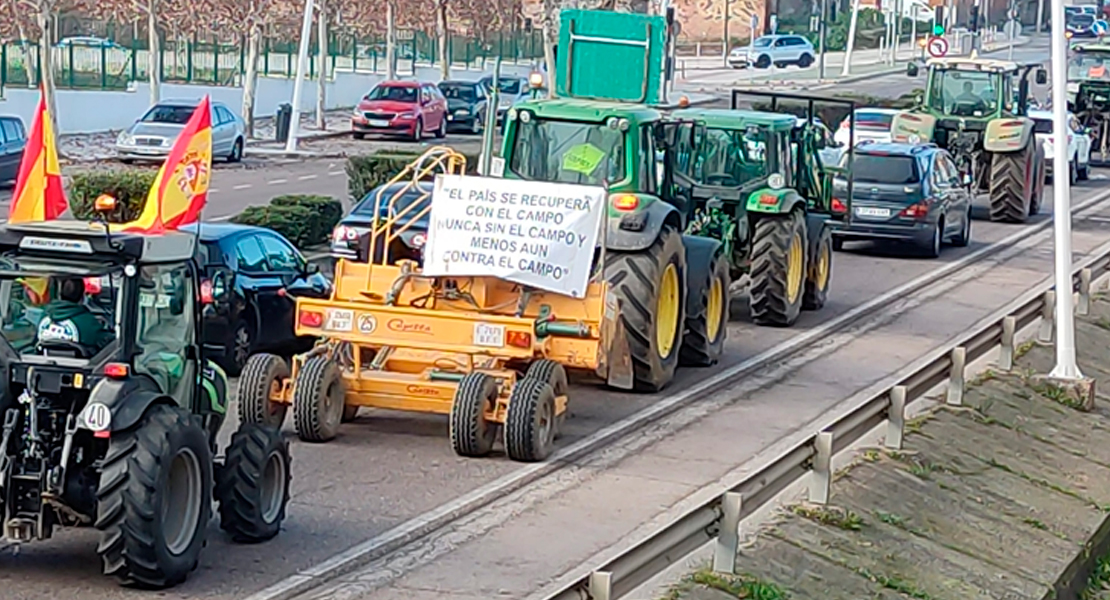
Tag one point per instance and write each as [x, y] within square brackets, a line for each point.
[651, 288]
[252, 486]
[778, 269]
[704, 341]
[1012, 185]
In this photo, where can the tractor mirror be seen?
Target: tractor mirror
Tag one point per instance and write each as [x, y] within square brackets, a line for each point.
[911, 69]
[1041, 77]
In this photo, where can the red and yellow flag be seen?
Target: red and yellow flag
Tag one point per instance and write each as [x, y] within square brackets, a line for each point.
[181, 187]
[38, 190]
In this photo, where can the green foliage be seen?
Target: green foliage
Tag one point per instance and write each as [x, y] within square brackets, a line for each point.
[325, 214]
[293, 222]
[129, 188]
[366, 172]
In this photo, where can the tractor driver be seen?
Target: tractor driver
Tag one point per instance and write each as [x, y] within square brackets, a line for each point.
[67, 318]
[968, 96]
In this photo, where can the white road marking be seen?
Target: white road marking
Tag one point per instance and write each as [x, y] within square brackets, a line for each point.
[242, 186]
[223, 218]
[212, 191]
[277, 181]
[336, 173]
[306, 177]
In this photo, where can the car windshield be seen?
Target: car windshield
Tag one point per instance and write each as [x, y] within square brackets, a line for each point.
[1042, 125]
[52, 301]
[1089, 66]
[1081, 19]
[732, 158]
[874, 119]
[568, 152]
[170, 114]
[365, 207]
[391, 92]
[883, 168]
[964, 93]
[761, 42]
[509, 86]
[466, 93]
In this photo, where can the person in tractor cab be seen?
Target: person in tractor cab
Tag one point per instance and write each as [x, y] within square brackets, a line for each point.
[968, 96]
[67, 318]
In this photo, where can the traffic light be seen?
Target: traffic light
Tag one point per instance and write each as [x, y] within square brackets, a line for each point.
[938, 21]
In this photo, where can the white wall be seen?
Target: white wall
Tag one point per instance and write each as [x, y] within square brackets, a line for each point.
[87, 111]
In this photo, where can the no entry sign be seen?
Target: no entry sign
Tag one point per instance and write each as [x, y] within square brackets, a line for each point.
[937, 47]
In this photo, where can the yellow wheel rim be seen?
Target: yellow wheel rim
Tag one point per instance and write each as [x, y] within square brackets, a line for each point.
[794, 268]
[666, 311]
[823, 267]
[713, 309]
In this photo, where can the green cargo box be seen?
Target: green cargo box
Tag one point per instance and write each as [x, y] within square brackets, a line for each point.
[610, 56]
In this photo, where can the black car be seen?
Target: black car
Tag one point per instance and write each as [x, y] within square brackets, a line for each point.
[13, 139]
[905, 192]
[251, 277]
[466, 105]
[351, 237]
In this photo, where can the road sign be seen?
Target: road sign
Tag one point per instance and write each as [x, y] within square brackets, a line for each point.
[937, 47]
[1100, 27]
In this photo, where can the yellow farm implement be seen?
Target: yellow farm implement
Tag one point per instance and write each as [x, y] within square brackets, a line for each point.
[490, 353]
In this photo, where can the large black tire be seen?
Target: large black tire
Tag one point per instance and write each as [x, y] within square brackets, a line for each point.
[530, 422]
[154, 499]
[636, 279]
[262, 373]
[318, 400]
[252, 486]
[706, 329]
[553, 374]
[471, 433]
[776, 237]
[819, 274]
[1012, 185]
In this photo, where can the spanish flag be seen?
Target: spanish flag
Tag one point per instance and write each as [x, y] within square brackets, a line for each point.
[38, 190]
[181, 187]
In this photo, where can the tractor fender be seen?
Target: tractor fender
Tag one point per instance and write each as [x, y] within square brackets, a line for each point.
[815, 223]
[127, 400]
[635, 231]
[700, 252]
[774, 201]
[1007, 134]
[908, 124]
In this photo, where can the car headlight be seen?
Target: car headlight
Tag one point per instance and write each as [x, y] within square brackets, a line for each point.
[406, 115]
[125, 139]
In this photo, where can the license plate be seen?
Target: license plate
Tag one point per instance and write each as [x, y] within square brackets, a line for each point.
[864, 211]
[490, 336]
[377, 123]
[340, 320]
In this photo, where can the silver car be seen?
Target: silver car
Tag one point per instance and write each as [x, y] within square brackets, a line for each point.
[153, 135]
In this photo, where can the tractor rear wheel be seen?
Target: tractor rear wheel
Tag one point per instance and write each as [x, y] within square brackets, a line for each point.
[318, 400]
[778, 269]
[154, 499]
[651, 288]
[530, 421]
[252, 486]
[262, 377]
[705, 329]
[1012, 185]
[819, 274]
[471, 434]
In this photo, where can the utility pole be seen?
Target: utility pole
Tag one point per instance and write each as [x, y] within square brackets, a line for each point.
[1040, 16]
[824, 28]
[846, 69]
[726, 44]
[298, 85]
[897, 30]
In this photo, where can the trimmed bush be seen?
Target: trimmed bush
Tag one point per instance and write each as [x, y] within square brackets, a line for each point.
[293, 222]
[325, 213]
[130, 188]
[368, 171]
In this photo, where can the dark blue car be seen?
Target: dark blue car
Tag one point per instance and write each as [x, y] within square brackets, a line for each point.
[351, 237]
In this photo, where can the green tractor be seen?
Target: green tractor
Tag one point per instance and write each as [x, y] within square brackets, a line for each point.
[603, 130]
[976, 109]
[757, 184]
[1089, 94]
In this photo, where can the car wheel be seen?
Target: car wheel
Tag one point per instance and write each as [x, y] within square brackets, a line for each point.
[127, 161]
[964, 237]
[358, 136]
[931, 248]
[441, 131]
[763, 62]
[418, 131]
[805, 61]
[236, 151]
[476, 124]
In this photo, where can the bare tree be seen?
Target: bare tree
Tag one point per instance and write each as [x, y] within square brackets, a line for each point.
[41, 14]
[14, 25]
[250, 19]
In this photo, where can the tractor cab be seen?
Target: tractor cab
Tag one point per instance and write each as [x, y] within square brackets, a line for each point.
[1088, 93]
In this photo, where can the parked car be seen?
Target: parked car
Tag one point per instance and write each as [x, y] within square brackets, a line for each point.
[86, 41]
[872, 125]
[1079, 144]
[13, 139]
[1080, 25]
[408, 108]
[778, 50]
[153, 135]
[466, 103]
[351, 237]
[905, 192]
[250, 279]
[510, 90]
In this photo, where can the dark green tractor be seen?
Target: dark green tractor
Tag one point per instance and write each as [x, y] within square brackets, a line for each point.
[1089, 94]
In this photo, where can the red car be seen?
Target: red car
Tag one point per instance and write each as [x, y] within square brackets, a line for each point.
[409, 108]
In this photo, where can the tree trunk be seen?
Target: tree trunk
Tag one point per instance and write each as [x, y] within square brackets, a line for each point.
[250, 79]
[441, 40]
[154, 55]
[390, 43]
[322, 61]
[549, 57]
[46, 77]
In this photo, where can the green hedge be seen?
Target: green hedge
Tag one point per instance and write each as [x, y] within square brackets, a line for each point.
[325, 214]
[367, 172]
[305, 220]
[129, 188]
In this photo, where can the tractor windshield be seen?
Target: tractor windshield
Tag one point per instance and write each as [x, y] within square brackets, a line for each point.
[1089, 66]
[964, 93]
[732, 158]
[568, 152]
[55, 302]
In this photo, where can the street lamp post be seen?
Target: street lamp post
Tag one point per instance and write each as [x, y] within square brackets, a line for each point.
[298, 85]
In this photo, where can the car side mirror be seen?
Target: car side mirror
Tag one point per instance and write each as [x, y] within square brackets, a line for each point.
[911, 69]
[1041, 77]
[311, 268]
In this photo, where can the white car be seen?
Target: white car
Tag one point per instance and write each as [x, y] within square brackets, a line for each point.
[872, 125]
[778, 50]
[1079, 144]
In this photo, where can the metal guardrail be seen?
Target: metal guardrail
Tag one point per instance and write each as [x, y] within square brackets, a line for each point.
[720, 517]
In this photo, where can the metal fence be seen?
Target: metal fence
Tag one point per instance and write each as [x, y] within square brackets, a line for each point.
[112, 66]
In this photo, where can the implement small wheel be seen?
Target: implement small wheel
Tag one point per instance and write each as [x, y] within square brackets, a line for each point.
[820, 273]
[253, 485]
[553, 374]
[262, 377]
[471, 434]
[530, 423]
[318, 400]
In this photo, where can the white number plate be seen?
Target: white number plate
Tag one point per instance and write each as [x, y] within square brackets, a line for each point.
[378, 123]
[864, 211]
[490, 336]
[340, 320]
